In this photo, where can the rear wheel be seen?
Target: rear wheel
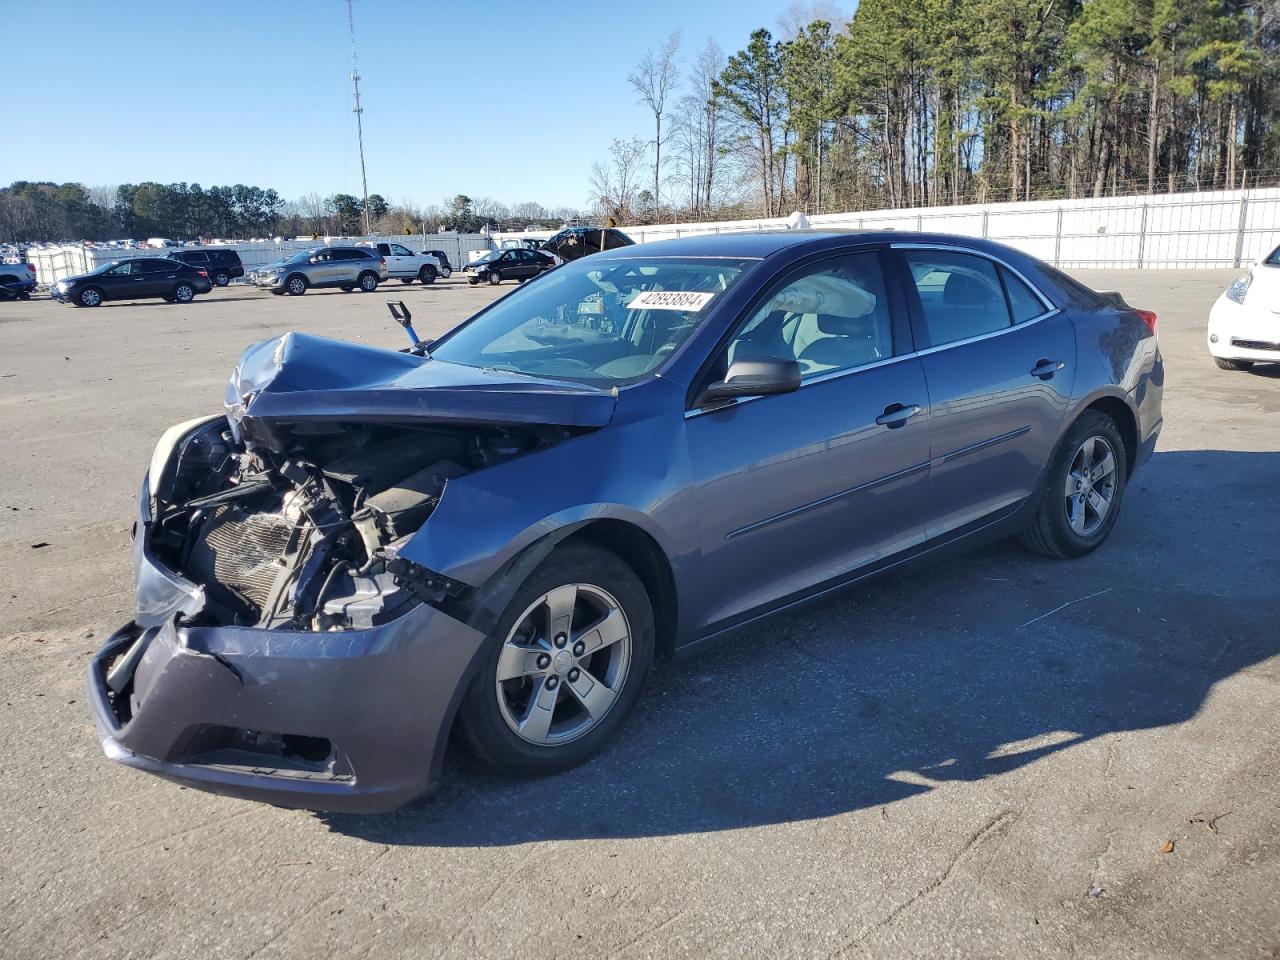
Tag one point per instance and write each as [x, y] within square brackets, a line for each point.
[345, 287]
[1233, 364]
[446, 272]
[564, 666]
[368, 281]
[221, 279]
[296, 285]
[1082, 495]
[184, 293]
[427, 275]
[404, 280]
[89, 297]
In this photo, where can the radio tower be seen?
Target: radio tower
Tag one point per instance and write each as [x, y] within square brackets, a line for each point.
[359, 110]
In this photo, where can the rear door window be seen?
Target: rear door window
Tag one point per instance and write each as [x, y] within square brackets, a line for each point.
[961, 296]
[1023, 303]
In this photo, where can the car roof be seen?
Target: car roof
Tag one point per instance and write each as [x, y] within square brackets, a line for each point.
[751, 245]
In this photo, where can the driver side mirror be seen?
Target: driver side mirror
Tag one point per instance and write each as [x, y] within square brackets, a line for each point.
[752, 378]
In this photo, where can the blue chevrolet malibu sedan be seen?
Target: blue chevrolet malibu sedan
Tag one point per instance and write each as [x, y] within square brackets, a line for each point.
[633, 453]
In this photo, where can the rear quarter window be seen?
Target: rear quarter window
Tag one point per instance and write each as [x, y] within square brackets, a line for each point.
[1273, 260]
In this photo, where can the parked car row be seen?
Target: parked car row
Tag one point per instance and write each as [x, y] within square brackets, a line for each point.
[181, 275]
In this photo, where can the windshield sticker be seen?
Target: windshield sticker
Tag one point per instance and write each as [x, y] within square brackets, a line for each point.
[670, 300]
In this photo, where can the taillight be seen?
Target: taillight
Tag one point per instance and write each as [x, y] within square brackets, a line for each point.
[1147, 317]
[32, 268]
[205, 273]
[383, 261]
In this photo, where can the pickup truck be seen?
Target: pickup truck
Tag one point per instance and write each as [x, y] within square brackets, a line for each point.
[406, 266]
[17, 280]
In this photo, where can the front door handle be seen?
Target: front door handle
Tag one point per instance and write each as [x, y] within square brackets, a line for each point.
[1045, 369]
[896, 414]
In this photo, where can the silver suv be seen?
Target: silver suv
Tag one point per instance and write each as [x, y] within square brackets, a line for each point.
[343, 267]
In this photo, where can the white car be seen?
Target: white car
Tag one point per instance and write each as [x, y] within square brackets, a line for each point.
[406, 266]
[1244, 324]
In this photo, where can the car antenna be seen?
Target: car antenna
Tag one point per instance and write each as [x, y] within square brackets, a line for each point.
[400, 313]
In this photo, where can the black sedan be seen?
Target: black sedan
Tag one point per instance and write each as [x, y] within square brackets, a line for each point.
[514, 264]
[137, 279]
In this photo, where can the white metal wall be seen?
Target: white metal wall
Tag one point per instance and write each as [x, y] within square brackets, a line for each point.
[1229, 228]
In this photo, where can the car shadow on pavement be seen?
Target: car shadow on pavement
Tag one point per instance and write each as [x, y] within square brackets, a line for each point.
[969, 669]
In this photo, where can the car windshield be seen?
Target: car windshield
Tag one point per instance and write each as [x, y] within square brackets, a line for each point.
[304, 256]
[491, 255]
[600, 323]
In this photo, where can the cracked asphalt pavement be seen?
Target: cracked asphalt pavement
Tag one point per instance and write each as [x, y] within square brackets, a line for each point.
[985, 757]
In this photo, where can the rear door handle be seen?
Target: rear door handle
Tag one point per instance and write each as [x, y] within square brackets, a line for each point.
[1045, 369]
[896, 414]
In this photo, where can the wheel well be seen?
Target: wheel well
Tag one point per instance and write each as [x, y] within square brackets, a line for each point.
[1123, 418]
[642, 553]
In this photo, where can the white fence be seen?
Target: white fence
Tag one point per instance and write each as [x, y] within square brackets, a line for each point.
[1228, 228]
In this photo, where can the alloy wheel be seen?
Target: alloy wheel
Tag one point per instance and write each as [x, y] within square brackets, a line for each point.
[183, 293]
[91, 297]
[563, 664]
[1091, 486]
[297, 286]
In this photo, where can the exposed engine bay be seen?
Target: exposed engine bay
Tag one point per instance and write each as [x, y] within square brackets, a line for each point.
[301, 532]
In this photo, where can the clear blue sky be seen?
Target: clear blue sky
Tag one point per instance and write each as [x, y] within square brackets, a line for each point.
[510, 100]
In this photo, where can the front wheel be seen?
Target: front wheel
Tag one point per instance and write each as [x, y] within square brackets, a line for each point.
[1224, 364]
[406, 280]
[89, 297]
[368, 281]
[296, 285]
[564, 666]
[495, 277]
[1082, 495]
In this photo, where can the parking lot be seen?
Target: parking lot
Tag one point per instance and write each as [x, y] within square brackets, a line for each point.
[1000, 755]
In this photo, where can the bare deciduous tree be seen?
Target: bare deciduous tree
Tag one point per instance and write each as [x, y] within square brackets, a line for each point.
[614, 183]
[652, 79]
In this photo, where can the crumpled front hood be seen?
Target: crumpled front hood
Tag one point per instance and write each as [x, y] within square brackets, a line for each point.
[302, 377]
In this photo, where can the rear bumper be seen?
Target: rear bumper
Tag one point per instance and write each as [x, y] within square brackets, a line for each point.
[198, 701]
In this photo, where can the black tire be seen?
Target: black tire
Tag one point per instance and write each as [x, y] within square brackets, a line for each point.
[481, 721]
[1233, 364]
[89, 297]
[406, 280]
[1050, 533]
[427, 275]
[183, 293]
[446, 272]
[368, 281]
[221, 279]
[345, 287]
[495, 277]
[472, 281]
[296, 285]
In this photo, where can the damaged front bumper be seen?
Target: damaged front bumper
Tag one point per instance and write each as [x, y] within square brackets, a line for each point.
[343, 720]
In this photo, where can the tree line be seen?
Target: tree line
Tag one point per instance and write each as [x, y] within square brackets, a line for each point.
[44, 211]
[929, 102]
